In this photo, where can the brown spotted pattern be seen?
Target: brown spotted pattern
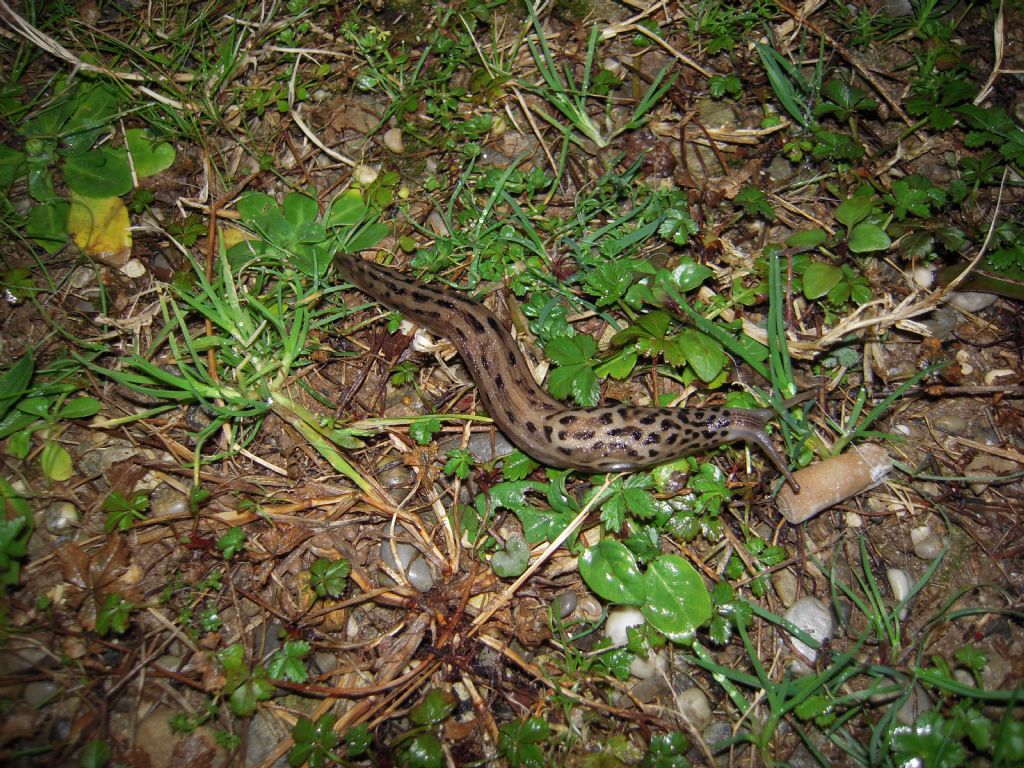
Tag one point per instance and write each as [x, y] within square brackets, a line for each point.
[612, 438]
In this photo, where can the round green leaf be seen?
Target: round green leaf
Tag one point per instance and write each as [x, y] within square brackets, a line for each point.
[253, 206]
[677, 600]
[47, 224]
[868, 237]
[56, 463]
[610, 570]
[820, 278]
[850, 211]
[689, 275]
[102, 172]
[806, 239]
[148, 155]
[511, 561]
[704, 354]
[346, 210]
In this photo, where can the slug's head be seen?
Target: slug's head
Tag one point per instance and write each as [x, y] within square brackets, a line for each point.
[748, 425]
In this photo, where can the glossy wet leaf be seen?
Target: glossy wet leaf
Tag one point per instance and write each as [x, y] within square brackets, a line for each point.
[677, 601]
[611, 571]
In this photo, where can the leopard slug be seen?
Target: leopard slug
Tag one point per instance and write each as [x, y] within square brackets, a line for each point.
[607, 439]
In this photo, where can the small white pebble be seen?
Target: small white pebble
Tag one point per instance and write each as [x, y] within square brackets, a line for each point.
[619, 620]
[133, 268]
[393, 140]
[815, 618]
[927, 544]
[998, 373]
[899, 582]
[903, 429]
[694, 707]
[853, 520]
[365, 174]
[924, 276]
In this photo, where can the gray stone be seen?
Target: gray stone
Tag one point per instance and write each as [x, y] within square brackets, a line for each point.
[815, 618]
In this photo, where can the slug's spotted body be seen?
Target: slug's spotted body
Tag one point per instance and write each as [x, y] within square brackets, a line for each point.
[608, 439]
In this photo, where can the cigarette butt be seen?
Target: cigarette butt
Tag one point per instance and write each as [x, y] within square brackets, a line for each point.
[831, 481]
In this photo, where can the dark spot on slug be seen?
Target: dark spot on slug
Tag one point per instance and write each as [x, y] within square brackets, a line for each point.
[587, 434]
[548, 430]
[531, 427]
[422, 298]
[636, 433]
[623, 412]
[446, 304]
[562, 434]
[709, 434]
[494, 324]
[649, 419]
[567, 420]
[477, 325]
[617, 431]
[607, 418]
[599, 445]
[652, 452]
[499, 382]
[632, 452]
[510, 416]
[652, 439]
[671, 439]
[512, 358]
[565, 451]
[667, 424]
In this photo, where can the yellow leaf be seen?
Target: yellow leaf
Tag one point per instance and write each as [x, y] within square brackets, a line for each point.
[233, 235]
[99, 226]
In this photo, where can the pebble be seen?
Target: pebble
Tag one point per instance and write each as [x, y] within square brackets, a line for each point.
[717, 732]
[941, 323]
[620, 619]
[950, 422]
[815, 618]
[972, 301]
[133, 268]
[365, 174]
[985, 466]
[61, 517]
[693, 705]
[785, 584]
[901, 584]
[924, 276]
[40, 692]
[926, 543]
[98, 461]
[564, 604]
[916, 705]
[393, 140]
[416, 568]
[167, 500]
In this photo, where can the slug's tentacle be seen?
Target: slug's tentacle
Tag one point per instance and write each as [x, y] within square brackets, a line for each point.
[607, 439]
